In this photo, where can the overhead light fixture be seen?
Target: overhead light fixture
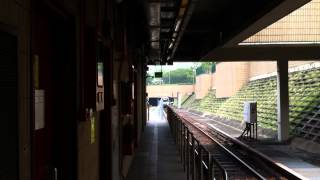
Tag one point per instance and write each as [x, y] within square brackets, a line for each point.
[167, 4]
[177, 25]
[171, 45]
[174, 35]
[155, 34]
[166, 30]
[167, 15]
[184, 3]
[155, 44]
[154, 14]
[181, 12]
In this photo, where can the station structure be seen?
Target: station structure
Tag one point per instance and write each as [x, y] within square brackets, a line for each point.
[73, 88]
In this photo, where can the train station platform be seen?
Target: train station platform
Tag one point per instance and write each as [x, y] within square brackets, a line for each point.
[157, 156]
[285, 155]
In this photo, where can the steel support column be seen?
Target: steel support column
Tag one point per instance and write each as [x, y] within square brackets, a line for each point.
[179, 99]
[282, 100]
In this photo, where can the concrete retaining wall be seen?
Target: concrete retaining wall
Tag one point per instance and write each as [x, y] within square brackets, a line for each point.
[169, 90]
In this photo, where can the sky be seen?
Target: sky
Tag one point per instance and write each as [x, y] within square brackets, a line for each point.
[176, 65]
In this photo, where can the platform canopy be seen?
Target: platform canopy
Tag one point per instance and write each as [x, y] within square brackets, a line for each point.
[194, 30]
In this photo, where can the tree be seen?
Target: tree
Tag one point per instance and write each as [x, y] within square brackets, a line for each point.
[206, 68]
[149, 79]
[178, 76]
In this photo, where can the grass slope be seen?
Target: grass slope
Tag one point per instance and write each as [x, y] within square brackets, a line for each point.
[304, 97]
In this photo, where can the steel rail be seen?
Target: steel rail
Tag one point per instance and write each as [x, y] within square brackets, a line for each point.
[276, 167]
[257, 174]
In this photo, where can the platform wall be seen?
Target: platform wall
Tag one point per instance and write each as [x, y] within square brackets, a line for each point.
[203, 84]
[230, 77]
[227, 80]
[265, 67]
[169, 90]
[213, 81]
[17, 17]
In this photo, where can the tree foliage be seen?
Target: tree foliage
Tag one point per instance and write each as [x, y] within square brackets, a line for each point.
[206, 68]
[149, 79]
[182, 75]
[178, 76]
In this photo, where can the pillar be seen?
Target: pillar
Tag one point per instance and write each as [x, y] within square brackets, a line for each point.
[282, 100]
[144, 98]
[179, 99]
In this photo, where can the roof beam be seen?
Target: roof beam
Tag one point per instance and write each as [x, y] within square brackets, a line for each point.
[283, 9]
[265, 53]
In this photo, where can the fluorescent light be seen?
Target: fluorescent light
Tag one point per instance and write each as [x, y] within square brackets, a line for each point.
[181, 12]
[171, 45]
[174, 34]
[177, 25]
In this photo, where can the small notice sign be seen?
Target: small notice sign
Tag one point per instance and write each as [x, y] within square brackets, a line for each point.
[93, 128]
[39, 105]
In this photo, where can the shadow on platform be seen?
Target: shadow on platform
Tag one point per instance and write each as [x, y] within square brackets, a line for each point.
[157, 156]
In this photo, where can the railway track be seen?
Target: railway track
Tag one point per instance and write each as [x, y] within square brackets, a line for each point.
[221, 156]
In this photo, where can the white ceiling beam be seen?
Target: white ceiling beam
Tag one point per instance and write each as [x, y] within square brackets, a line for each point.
[258, 53]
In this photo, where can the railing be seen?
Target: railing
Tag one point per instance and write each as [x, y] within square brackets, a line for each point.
[197, 160]
[218, 160]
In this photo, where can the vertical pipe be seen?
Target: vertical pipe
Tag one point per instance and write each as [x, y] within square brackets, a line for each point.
[179, 99]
